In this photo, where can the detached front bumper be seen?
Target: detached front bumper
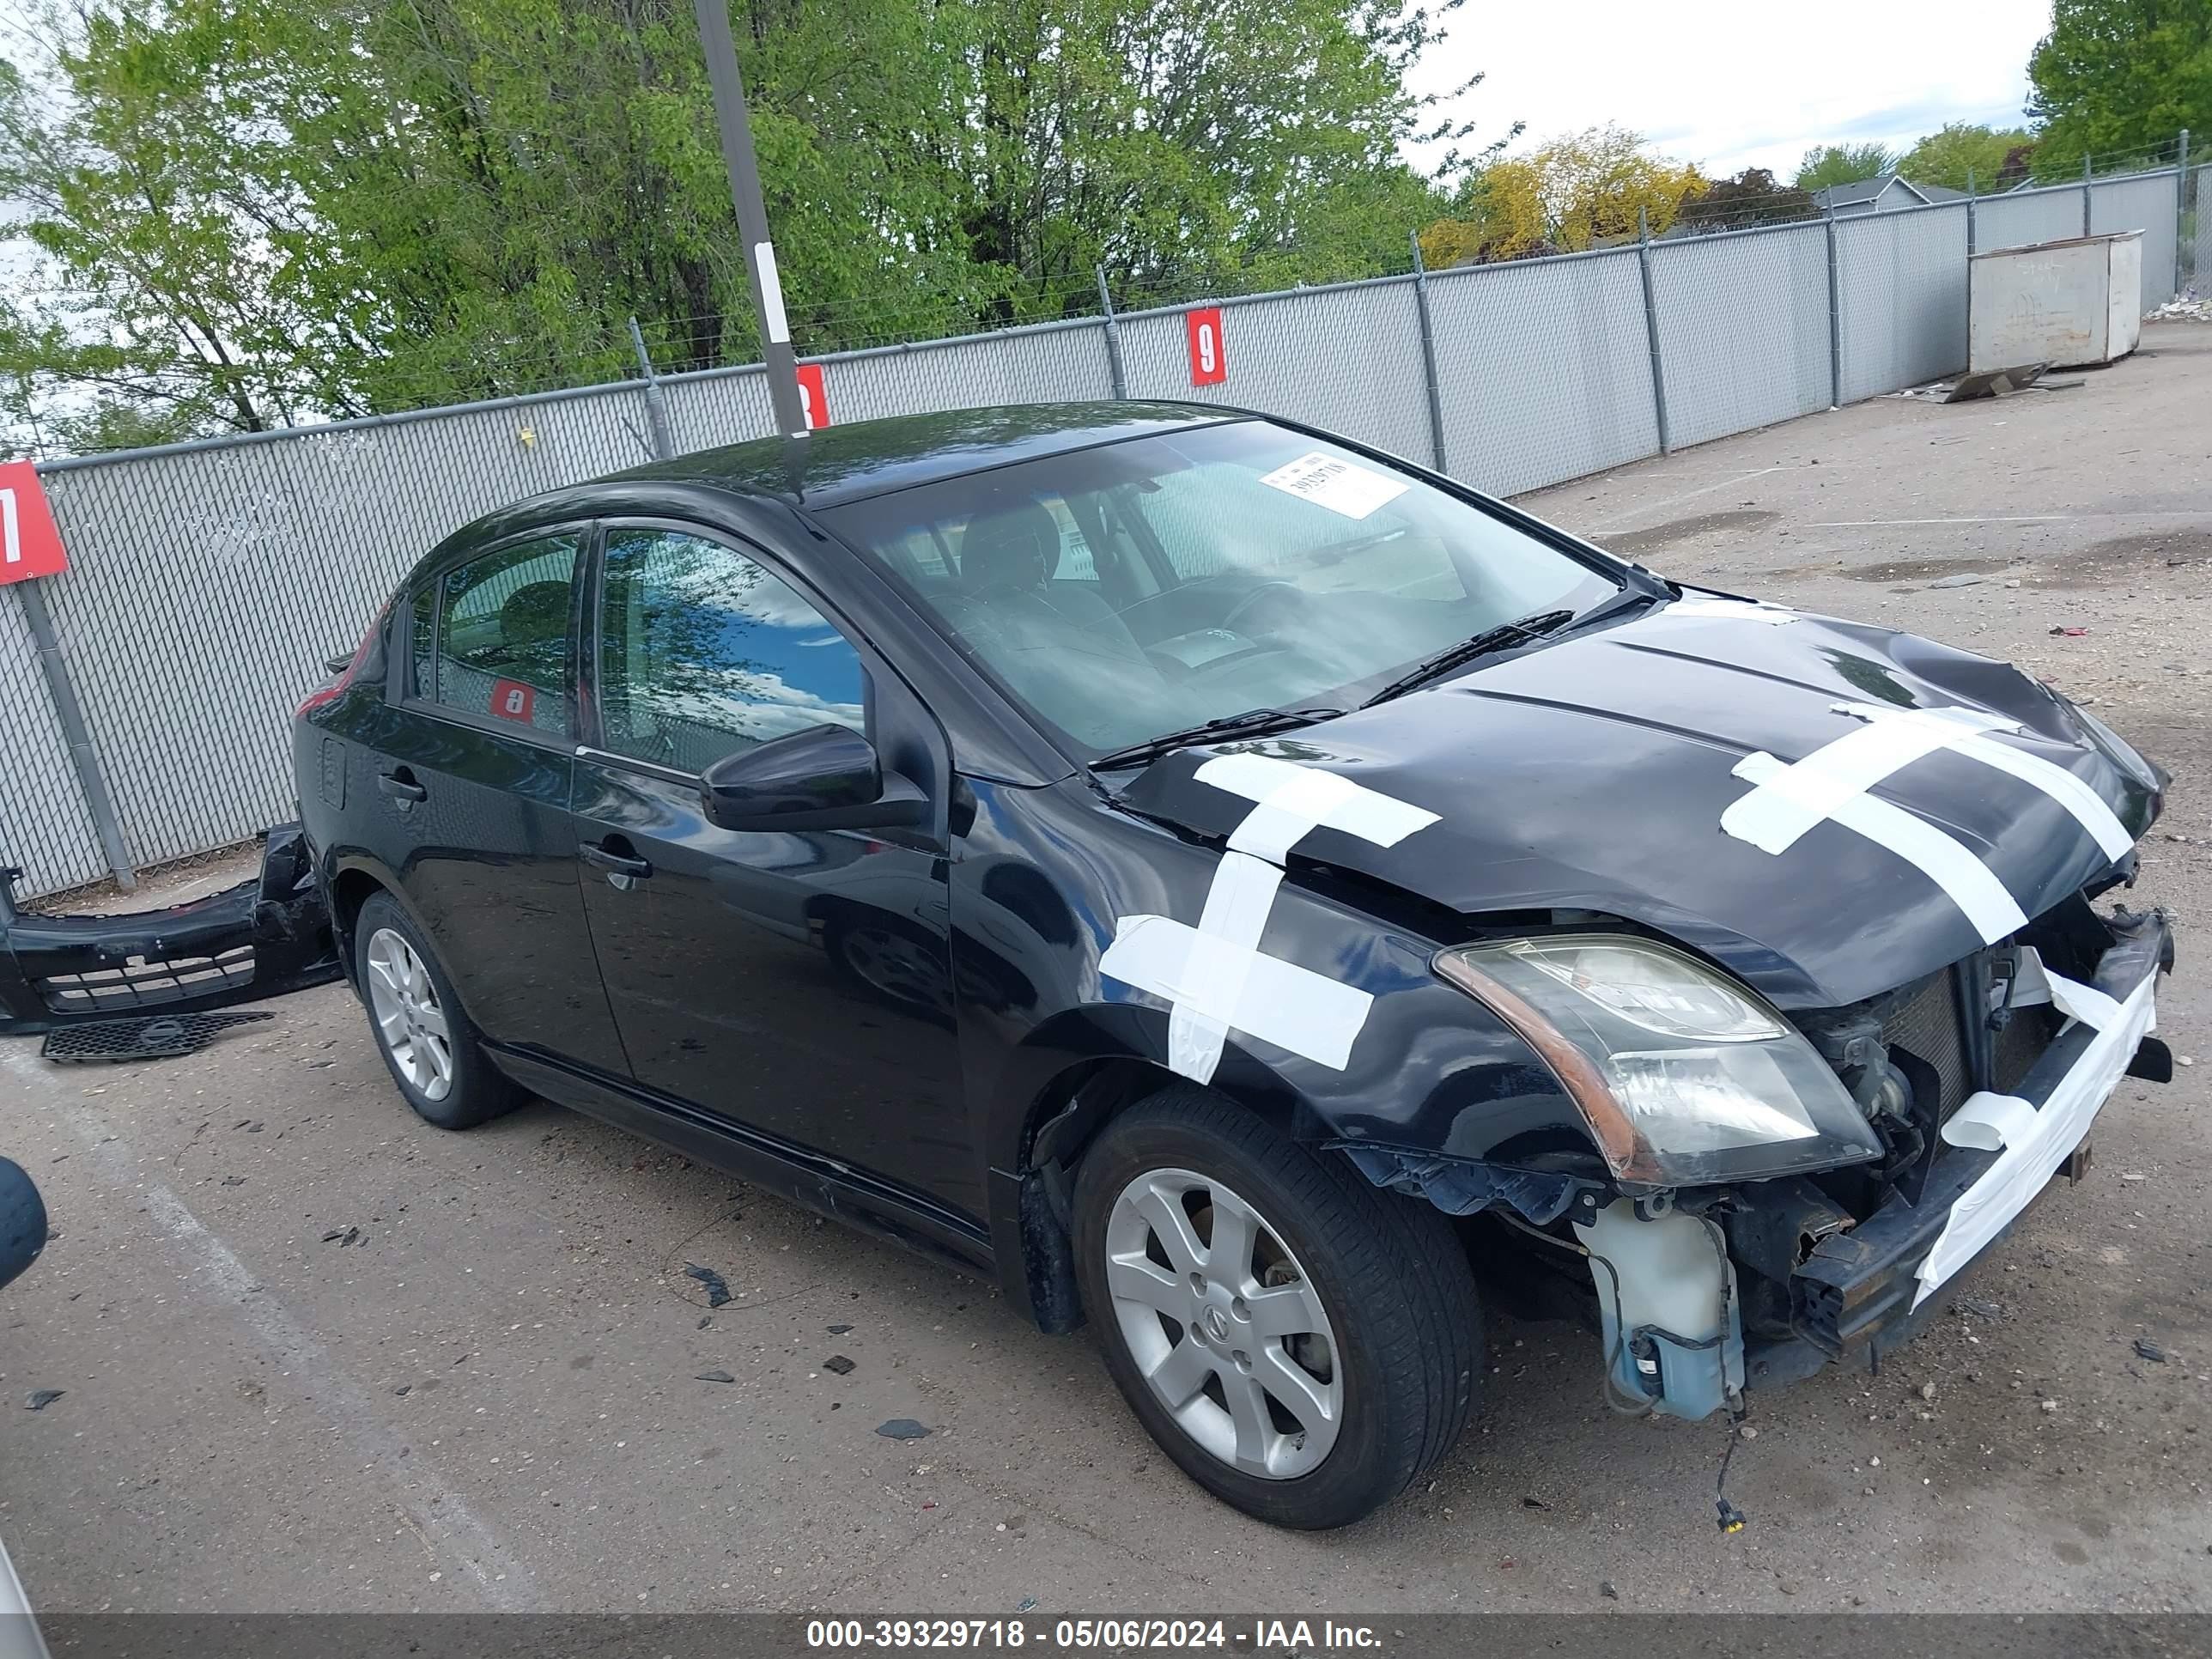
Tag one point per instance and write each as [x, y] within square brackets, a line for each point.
[260, 939]
[1870, 1288]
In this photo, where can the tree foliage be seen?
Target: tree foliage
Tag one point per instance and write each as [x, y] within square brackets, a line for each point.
[1752, 198]
[2117, 76]
[243, 213]
[1997, 160]
[1827, 165]
[1584, 190]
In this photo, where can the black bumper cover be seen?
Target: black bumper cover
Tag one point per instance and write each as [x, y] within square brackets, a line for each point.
[1854, 1292]
[280, 917]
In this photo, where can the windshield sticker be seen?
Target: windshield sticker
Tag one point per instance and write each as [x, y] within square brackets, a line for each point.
[1332, 481]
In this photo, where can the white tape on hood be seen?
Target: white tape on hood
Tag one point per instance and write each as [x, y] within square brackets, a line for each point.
[2087, 807]
[1783, 795]
[1214, 976]
[1832, 782]
[1738, 610]
[2036, 1141]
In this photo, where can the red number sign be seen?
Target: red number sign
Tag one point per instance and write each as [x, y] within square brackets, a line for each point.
[29, 543]
[813, 396]
[1209, 363]
[511, 699]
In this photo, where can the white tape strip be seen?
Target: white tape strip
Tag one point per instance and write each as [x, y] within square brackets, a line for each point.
[2037, 1141]
[1784, 794]
[2086, 805]
[1739, 609]
[1288, 1006]
[1808, 792]
[1214, 976]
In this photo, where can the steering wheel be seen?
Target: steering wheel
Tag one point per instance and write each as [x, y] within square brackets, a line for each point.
[1267, 592]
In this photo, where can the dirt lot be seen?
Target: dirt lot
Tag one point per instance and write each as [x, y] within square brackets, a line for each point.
[490, 1400]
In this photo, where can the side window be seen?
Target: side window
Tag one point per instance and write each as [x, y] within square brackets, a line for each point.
[422, 663]
[703, 652]
[503, 636]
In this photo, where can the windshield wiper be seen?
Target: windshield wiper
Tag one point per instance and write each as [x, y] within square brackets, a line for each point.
[1482, 645]
[1252, 722]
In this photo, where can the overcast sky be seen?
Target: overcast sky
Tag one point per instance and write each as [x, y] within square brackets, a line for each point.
[1735, 83]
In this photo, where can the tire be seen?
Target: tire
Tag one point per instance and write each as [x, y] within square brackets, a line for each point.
[1382, 1393]
[427, 1043]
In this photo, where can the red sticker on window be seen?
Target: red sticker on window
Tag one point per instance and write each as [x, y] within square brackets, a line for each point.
[511, 699]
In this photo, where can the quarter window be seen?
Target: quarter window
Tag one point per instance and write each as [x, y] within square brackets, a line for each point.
[502, 635]
[703, 652]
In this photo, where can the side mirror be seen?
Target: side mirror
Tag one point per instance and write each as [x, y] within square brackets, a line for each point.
[826, 777]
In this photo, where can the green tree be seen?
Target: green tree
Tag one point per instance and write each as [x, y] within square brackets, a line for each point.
[1996, 159]
[2117, 77]
[1752, 198]
[242, 213]
[1844, 164]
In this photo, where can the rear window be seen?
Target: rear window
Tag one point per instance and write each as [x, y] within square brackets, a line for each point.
[502, 636]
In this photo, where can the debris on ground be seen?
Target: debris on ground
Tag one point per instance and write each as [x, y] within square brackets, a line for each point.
[839, 1330]
[1528, 1503]
[839, 1363]
[705, 1320]
[1964, 579]
[2150, 1350]
[1981, 1307]
[1607, 1590]
[404, 1389]
[714, 1376]
[1994, 382]
[718, 1288]
[1927, 1392]
[42, 1398]
[153, 1037]
[250, 1125]
[901, 1428]
[1027, 1604]
[344, 1236]
[233, 1180]
[2068, 633]
[2182, 308]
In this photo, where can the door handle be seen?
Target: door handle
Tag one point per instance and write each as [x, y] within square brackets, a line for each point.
[401, 788]
[615, 864]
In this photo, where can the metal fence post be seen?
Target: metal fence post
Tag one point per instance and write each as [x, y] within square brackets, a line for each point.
[1651, 329]
[1113, 337]
[1970, 266]
[656, 406]
[1835, 318]
[91, 776]
[2181, 239]
[2088, 195]
[1428, 355]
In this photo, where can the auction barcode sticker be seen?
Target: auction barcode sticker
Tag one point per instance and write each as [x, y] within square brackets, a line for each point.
[1332, 481]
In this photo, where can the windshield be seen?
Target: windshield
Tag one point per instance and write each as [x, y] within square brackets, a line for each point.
[1141, 587]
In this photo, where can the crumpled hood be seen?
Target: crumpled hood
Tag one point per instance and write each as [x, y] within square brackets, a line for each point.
[1596, 774]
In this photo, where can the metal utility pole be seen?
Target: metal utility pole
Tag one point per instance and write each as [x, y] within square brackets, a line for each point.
[736, 123]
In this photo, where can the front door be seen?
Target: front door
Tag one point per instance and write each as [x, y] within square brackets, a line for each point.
[797, 983]
[473, 767]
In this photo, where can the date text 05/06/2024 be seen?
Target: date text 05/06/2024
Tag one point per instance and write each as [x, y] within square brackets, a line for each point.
[1078, 1635]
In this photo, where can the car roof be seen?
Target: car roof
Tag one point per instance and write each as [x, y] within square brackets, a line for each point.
[871, 457]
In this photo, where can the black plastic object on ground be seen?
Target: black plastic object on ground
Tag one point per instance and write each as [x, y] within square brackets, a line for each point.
[260, 939]
[22, 1221]
[156, 1036]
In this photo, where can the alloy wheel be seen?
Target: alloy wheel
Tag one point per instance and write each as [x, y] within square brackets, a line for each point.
[405, 1004]
[1225, 1325]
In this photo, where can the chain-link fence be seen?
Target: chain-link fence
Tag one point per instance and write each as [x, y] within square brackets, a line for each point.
[209, 582]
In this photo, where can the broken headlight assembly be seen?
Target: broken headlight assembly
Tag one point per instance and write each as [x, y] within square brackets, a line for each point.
[1684, 1076]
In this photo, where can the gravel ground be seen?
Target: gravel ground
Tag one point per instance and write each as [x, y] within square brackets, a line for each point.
[492, 1399]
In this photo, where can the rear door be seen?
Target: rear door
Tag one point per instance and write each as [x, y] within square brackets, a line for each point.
[798, 983]
[473, 770]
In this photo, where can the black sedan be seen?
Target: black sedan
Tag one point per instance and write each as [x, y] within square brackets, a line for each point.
[1240, 890]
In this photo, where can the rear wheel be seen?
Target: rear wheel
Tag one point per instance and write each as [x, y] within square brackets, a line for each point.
[427, 1043]
[1300, 1343]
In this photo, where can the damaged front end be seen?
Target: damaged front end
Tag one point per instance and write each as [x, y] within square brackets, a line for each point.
[260, 939]
[1780, 1192]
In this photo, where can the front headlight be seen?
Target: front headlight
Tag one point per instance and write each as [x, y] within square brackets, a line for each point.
[1684, 1076]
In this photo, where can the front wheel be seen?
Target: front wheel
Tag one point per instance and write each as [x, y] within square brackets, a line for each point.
[1300, 1343]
